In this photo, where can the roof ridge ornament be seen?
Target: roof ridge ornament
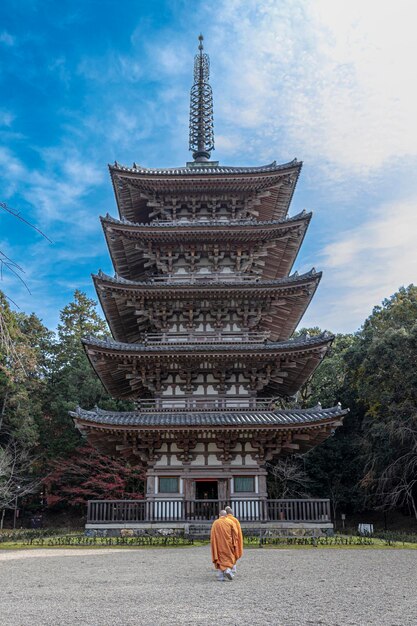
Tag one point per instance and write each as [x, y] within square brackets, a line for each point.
[201, 139]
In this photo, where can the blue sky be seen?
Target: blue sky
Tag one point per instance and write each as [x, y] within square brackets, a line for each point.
[331, 83]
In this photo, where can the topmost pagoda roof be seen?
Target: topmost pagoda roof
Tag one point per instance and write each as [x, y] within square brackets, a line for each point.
[208, 168]
[272, 184]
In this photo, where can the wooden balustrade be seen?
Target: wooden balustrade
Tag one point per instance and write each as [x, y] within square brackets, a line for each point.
[208, 337]
[205, 404]
[205, 278]
[175, 510]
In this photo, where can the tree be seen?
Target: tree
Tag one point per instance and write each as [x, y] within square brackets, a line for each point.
[87, 474]
[288, 478]
[22, 382]
[16, 479]
[22, 374]
[397, 485]
[384, 373]
[335, 468]
[72, 380]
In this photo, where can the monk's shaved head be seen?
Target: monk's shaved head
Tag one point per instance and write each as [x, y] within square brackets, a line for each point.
[228, 510]
[222, 514]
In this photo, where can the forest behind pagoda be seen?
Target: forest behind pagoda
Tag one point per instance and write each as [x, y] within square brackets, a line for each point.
[369, 464]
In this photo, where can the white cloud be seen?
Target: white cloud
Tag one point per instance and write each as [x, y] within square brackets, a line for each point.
[367, 264]
[112, 67]
[333, 81]
[169, 59]
[13, 171]
[7, 39]
[56, 192]
[6, 118]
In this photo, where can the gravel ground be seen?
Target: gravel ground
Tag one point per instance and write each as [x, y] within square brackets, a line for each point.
[178, 587]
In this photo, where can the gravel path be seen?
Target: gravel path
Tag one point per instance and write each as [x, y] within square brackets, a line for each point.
[158, 587]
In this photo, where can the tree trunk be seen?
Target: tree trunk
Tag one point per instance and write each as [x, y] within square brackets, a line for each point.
[3, 409]
[414, 505]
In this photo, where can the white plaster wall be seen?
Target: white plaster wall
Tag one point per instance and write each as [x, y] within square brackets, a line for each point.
[213, 460]
[162, 461]
[199, 460]
[250, 461]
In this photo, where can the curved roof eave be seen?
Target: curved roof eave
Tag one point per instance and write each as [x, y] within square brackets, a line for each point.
[102, 277]
[239, 418]
[298, 343]
[206, 170]
[196, 226]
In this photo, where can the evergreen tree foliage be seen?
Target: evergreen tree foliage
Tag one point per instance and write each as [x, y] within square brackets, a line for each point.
[72, 380]
[334, 467]
[24, 349]
[383, 366]
[23, 371]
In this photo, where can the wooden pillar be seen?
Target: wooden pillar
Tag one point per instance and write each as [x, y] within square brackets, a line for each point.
[189, 488]
[262, 485]
[223, 489]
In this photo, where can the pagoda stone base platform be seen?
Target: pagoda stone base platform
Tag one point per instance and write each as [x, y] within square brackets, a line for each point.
[201, 530]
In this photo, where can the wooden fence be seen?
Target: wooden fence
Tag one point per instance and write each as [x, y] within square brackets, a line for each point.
[249, 510]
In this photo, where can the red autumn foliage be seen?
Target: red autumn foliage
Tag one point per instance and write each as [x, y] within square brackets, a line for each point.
[89, 475]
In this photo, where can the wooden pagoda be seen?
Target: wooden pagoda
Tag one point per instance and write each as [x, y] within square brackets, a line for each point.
[201, 309]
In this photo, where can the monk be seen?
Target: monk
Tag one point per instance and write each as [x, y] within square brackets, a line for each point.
[223, 539]
[239, 534]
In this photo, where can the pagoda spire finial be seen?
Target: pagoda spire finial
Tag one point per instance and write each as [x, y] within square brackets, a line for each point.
[201, 107]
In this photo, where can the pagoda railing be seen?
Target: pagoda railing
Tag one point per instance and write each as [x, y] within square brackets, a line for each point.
[207, 221]
[205, 338]
[175, 510]
[195, 279]
[205, 403]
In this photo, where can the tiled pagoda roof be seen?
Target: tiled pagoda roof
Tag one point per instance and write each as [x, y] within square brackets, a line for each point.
[281, 368]
[240, 418]
[128, 242]
[206, 228]
[296, 344]
[206, 169]
[120, 298]
[133, 186]
[205, 283]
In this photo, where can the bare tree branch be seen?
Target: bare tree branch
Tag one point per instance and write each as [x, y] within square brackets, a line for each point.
[15, 479]
[291, 481]
[15, 213]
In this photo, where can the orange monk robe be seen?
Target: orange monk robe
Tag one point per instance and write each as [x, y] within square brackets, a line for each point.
[239, 535]
[223, 539]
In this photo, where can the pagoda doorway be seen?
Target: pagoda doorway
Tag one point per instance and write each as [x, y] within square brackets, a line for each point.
[206, 490]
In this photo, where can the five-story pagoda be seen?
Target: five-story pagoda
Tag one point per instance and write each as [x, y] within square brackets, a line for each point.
[201, 310]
